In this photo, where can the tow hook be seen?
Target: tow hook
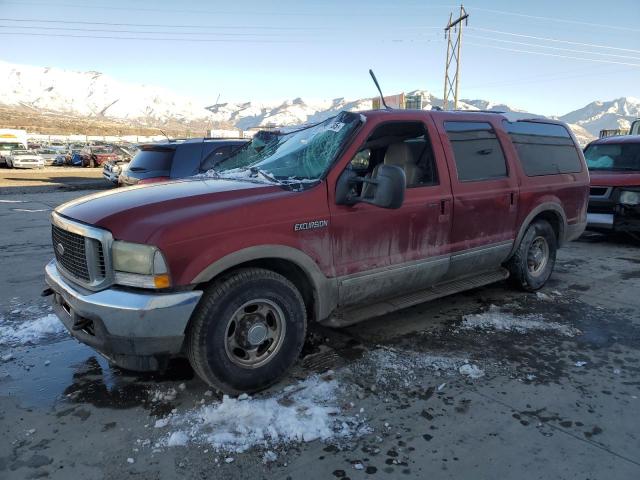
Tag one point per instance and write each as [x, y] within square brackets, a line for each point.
[46, 292]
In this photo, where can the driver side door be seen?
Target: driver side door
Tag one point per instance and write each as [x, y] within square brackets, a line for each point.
[380, 252]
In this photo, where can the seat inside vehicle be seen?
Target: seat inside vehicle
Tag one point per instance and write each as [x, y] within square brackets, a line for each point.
[404, 144]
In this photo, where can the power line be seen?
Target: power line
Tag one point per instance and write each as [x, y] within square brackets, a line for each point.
[176, 39]
[554, 55]
[568, 42]
[549, 78]
[555, 19]
[552, 48]
[278, 13]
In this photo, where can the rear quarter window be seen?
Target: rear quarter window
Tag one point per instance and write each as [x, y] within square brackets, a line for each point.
[156, 160]
[544, 148]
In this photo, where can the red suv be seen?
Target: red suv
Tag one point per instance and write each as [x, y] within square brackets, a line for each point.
[354, 217]
[614, 165]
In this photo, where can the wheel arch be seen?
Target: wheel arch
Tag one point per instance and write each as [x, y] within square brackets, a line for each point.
[552, 213]
[318, 291]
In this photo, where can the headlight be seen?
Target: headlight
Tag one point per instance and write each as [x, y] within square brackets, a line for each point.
[630, 198]
[139, 265]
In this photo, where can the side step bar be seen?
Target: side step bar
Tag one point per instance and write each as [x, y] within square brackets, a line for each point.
[349, 316]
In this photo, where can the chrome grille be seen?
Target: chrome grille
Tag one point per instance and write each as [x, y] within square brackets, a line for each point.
[72, 254]
[83, 252]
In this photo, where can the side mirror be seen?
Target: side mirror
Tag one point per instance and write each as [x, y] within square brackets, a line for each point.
[389, 186]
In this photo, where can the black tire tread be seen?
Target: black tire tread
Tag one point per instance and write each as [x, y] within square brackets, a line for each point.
[517, 264]
[195, 347]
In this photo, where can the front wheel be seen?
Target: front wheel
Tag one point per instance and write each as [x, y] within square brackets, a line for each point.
[247, 331]
[533, 262]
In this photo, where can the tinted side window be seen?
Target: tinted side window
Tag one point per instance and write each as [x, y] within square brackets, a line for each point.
[152, 160]
[216, 156]
[477, 151]
[543, 148]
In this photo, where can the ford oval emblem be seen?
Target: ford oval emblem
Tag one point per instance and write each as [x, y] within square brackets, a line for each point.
[60, 249]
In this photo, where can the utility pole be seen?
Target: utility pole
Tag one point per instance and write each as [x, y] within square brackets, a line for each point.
[453, 34]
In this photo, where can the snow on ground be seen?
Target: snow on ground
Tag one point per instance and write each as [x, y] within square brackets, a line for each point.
[300, 413]
[497, 319]
[28, 331]
[393, 368]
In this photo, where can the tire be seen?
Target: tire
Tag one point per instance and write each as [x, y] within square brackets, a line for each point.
[533, 262]
[232, 318]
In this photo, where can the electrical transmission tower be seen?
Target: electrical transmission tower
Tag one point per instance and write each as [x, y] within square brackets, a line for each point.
[453, 34]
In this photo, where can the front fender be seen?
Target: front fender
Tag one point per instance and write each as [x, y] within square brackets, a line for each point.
[325, 289]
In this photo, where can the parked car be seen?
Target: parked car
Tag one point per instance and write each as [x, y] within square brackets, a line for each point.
[49, 155]
[354, 217]
[112, 169]
[96, 155]
[24, 159]
[614, 201]
[159, 162]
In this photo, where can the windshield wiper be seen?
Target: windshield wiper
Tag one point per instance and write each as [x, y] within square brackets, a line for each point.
[256, 171]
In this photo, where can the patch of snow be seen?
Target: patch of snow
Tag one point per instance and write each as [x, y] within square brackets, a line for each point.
[130, 460]
[471, 371]
[581, 364]
[543, 296]
[29, 331]
[499, 320]
[308, 412]
[269, 456]
[177, 439]
[167, 396]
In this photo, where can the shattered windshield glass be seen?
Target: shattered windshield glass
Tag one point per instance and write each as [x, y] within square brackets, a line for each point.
[301, 155]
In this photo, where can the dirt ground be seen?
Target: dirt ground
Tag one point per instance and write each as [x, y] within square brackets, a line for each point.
[491, 383]
[24, 180]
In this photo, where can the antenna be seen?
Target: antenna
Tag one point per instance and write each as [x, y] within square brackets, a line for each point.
[375, 80]
[165, 135]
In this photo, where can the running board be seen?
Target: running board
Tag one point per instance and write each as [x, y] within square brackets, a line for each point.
[349, 316]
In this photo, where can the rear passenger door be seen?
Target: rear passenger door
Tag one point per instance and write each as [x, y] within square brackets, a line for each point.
[485, 194]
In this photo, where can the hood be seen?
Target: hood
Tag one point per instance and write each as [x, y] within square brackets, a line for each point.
[136, 213]
[610, 178]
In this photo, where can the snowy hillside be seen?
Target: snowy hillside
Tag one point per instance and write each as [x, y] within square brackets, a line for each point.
[618, 113]
[90, 94]
[40, 90]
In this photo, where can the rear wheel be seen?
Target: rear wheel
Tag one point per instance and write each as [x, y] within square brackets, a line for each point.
[533, 262]
[247, 331]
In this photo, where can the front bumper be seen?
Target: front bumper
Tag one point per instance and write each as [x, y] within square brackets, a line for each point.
[136, 330]
[17, 164]
[622, 219]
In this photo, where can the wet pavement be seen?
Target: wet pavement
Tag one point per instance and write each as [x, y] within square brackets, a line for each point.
[549, 403]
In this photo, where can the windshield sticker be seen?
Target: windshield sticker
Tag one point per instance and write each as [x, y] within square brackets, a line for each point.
[335, 126]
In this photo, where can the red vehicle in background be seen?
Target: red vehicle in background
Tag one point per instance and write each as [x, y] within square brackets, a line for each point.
[614, 199]
[95, 155]
[337, 222]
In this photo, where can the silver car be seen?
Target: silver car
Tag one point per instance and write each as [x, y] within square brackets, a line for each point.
[24, 159]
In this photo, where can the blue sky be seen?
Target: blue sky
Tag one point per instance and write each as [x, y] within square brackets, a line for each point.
[267, 51]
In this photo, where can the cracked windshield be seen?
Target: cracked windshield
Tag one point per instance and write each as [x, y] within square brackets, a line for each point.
[303, 154]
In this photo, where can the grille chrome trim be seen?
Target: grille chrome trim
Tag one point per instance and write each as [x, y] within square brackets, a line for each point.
[97, 247]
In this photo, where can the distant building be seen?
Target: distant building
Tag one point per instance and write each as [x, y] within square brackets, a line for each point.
[402, 101]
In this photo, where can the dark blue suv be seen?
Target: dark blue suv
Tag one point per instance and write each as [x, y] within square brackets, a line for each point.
[159, 162]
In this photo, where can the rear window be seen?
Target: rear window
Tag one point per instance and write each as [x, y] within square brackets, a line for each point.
[544, 148]
[152, 160]
[478, 153]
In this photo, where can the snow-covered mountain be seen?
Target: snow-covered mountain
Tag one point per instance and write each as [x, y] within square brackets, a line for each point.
[90, 94]
[615, 114]
[96, 95]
